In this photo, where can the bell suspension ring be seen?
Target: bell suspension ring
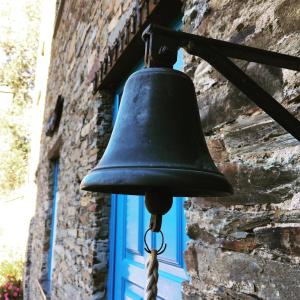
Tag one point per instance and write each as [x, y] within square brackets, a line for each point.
[152, 267]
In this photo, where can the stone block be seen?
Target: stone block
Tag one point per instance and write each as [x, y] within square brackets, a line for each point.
[242, 273]
[217, 150]
[99, 296]
[285, 238]
[71, 48]
[287, 13]
[242, 245]
[195, 233]
[253, 184]
[82, 34]
[84, 219]
[92, 207]
[85, 130]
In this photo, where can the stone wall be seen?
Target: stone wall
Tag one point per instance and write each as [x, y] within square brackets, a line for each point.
[246, 246]
[80, 270]
[242, 247]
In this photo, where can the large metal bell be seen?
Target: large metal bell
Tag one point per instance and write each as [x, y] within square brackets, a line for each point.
[157, 145]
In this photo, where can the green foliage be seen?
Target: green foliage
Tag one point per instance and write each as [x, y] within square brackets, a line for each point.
[14, 161]
[13, 267]
[18, 47]
[11, 271]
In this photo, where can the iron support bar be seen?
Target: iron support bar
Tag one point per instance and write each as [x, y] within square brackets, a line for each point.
[249, 87]
[182, 39]
[161, 50]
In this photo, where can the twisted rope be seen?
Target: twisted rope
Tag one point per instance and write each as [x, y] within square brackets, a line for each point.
[152, 267]
[152, 276]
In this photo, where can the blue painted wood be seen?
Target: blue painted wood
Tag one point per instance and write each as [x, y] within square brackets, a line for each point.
[112, 248]
[53, 223]
[131, 221]
[128, 221]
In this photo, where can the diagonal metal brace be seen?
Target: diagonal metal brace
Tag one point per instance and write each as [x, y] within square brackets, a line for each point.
[216, 53]
[249, 87]
[172, 39]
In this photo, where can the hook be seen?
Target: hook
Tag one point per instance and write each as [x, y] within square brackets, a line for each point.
[162, 247]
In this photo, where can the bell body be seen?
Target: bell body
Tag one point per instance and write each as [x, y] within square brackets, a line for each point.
[157, 144]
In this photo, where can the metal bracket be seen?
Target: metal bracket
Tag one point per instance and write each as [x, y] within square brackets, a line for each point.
[155, 223]
[162, 247]
[160, 50]
[216, 53]
[158, 204]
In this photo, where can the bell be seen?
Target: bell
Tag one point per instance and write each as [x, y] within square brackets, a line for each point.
[157, 146]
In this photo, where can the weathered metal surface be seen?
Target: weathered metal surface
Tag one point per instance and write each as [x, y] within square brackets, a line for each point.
[149, 150]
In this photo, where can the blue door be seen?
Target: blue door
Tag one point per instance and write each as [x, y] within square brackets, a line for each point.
[53, 225]
[129, 221]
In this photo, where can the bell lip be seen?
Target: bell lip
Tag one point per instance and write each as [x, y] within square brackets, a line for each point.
[135, 181]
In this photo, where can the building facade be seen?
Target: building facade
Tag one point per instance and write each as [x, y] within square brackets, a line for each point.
[86, 245]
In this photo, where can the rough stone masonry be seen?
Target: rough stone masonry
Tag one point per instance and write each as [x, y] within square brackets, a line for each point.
[243, 247]
[246, 246]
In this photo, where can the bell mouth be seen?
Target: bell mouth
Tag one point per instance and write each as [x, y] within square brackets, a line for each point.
[139, 180]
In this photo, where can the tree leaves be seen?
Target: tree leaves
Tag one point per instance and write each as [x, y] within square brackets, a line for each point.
[17, 70]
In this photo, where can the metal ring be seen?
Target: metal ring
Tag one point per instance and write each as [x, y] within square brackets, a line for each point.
[162, 247]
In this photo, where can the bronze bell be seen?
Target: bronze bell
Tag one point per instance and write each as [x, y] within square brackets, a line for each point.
[157, 145]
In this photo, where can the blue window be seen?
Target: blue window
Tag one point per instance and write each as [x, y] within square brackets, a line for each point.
[55, 173]
[128, 222]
